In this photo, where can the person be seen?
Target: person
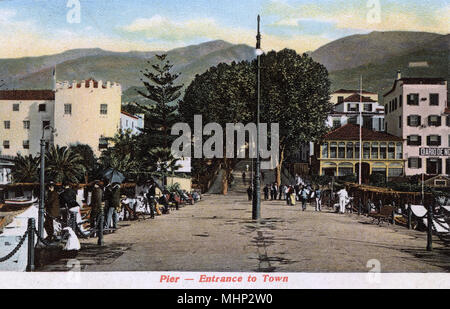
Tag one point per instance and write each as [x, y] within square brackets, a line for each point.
[266, 192]
[250, 193]
[244, 177]
[343, 195]
[112, 196]
[318, 196]
[275, 190]
[52, 209]
[292, 195]
[97, 205]
[67, 200]
[304, 197]
[151, 194]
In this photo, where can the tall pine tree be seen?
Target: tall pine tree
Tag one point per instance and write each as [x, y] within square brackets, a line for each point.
[162, 111]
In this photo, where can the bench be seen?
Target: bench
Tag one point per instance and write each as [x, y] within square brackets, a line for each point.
[386, 214]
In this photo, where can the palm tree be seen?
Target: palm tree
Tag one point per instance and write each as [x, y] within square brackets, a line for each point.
[26, 169]
[162, 161]
[63, 164]
[118, 161]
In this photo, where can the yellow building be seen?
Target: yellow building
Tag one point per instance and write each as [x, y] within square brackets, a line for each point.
[381, 153]
[83, 112]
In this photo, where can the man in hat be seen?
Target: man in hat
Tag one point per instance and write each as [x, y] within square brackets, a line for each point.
[67, 200]
[52, 209]
[112, 197]
[97, 205]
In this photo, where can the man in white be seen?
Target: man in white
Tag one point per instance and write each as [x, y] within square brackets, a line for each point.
[343, 195]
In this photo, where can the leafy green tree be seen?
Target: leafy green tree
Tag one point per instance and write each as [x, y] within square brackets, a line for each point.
[63, 164]
[295, 94]
[161, 110]
[88, 160]
[161, 161]
[223, 94]
[26, 169]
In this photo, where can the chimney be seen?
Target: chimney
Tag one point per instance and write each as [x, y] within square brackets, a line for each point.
[399, 75]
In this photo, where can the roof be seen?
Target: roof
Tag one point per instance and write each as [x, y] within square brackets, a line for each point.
[129, 115]
[357, 98]
[353, 91]
[418, 81]
[27, 95]
[350, 132]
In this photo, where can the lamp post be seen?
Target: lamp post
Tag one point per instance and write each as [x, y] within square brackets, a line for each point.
[256, 207]
[42, 183]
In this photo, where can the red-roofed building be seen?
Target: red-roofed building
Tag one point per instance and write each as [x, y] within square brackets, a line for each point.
[339, 153]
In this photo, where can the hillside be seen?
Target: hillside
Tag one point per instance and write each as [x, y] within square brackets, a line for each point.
[376, 47]
[379, 77]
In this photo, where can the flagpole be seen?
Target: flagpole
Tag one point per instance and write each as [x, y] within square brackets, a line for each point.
[360, 133]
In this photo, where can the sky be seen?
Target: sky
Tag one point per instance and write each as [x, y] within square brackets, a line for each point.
[42, 27]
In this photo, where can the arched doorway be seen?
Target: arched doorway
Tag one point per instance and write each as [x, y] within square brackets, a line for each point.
[365, 172]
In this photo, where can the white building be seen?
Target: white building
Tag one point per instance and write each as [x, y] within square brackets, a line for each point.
[131, 123]
[417, 110]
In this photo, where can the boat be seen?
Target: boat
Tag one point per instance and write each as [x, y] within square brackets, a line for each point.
[21, 201]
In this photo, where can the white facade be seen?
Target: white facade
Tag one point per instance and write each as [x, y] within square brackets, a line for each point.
[131, 123]
[417, 111]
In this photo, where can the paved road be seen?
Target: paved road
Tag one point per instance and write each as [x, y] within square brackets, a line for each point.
[218, 235]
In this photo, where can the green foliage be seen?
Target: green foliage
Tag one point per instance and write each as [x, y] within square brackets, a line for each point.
[321, 180]
[26, 169]
[162, 94]
[377, 180]
[161, 161]
[63, 164]
[173, 188]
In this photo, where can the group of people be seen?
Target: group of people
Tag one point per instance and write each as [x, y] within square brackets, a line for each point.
[291, 193]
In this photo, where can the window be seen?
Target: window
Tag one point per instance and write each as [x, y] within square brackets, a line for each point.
[366, 150]
[414, 140]
[42, 107]
[350, 150]
[391, 151]
[16, 107]
[434, 140]
[103, 109]
[67, 109]
[434, 121]
[415, 163]
[368, 123]
[7, 124]
[374, 150]
[341, 151]
[434, 166]
[399, 151]
[413, 99]
[353, 120]
[45, 124]
[434, 99]
[357, 149]
[325, 150]
[336, 123]
[368, 107]
[353, 107]
[447, 164]
[26, 124]
[395, 172]
[400, 101]
[26, 144]
[400, 122]
[448, 120]
[333, 150]
[340, 100]
[386, 109]
[383, 151]
[395, 104]
[102, 143]
[6, 144]
[414, 120]
[440, 183]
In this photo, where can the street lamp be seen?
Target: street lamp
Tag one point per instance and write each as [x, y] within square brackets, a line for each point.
[42, 183]
[256, 205]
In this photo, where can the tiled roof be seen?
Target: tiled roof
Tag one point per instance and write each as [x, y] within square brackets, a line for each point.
[357, 98]
[418, 81]
[350, 132]
[27, 95]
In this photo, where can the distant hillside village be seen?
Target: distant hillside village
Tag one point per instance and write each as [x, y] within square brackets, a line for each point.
[404, 133]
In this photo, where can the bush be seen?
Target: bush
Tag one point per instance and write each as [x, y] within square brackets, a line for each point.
[377, 180]
[320, 180]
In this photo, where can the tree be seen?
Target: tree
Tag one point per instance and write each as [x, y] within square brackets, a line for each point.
[161, 161]
[161, 113]
[295, 94]
[26, 169]
[63, 164]
[88, 159]
[223, 94]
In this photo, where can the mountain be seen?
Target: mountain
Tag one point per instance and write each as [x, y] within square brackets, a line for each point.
[376, 47]
[378, 76]
[36, 72]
